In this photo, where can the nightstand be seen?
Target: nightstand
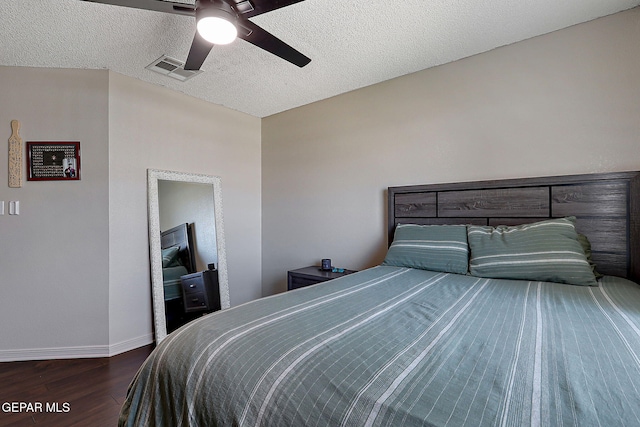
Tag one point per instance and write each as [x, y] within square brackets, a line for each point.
[200, 291]
[310, 276]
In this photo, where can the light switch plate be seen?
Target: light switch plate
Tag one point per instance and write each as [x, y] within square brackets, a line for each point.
[14, 207]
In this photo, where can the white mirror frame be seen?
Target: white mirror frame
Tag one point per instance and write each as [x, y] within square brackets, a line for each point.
[155, 252]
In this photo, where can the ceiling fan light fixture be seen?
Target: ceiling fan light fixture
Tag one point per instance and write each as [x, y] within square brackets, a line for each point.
[216, 25]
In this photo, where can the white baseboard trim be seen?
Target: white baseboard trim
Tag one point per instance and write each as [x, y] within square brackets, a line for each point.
[79, 352]
[54, 353]
[130, 344]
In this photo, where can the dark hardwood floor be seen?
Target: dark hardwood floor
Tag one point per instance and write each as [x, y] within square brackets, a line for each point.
[73, 392]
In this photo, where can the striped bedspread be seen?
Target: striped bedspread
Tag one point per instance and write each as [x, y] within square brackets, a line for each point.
[393, 346]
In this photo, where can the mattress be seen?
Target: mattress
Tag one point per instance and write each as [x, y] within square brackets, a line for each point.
[392, 346]
[171, 281]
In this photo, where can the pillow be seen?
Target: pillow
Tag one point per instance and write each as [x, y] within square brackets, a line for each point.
[546, 251]
[586, 246]
[430, 247]
[170, 257]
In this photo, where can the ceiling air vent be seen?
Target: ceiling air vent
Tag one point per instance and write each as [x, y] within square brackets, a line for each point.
[173, 68]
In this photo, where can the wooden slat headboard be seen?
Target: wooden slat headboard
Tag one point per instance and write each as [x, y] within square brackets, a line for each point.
[182, 236]
[606, 206]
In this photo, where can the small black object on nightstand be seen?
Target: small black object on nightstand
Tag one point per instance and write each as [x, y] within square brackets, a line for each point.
[311, 275]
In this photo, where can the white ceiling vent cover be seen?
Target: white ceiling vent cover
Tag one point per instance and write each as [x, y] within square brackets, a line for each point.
[173, 68]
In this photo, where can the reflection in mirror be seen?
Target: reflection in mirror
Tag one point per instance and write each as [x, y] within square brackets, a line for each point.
[187, 248]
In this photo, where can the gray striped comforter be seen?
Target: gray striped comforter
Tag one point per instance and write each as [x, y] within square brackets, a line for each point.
[393, 346]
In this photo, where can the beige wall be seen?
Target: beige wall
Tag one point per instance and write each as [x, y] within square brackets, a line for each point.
[298, 186]
[152, 127]
[74, 270]
[563, 103]
[54, 263]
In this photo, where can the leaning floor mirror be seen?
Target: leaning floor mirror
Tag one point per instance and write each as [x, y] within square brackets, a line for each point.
[186, 244]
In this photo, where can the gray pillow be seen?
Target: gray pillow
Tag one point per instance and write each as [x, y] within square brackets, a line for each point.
[430, 247]
[586, 246]
[170, 257]
[546, 251]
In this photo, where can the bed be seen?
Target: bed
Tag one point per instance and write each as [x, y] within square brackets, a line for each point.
[178, 259]
[429, 337]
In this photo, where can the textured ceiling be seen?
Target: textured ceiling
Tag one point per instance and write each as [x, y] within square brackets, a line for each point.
[352, 44]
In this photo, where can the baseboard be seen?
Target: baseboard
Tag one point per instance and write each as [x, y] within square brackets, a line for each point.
[54, 353]
[130, 344]
[80, 352]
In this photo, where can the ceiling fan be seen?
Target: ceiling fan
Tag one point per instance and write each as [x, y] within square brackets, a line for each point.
[220, 22]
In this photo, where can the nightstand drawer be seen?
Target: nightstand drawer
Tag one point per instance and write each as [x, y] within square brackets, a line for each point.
[195, 301]
[200, 291]
[296, 282]
[310, 276]
[193, 285]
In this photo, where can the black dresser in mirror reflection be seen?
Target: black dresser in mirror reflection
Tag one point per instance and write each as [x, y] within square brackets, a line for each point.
[200, 295]
[200, 292]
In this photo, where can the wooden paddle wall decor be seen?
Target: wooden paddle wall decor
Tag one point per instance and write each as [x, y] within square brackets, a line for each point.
[15, 156]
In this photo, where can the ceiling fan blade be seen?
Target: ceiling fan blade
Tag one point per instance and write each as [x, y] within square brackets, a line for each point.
[157, 5]
[249, 8]
[247, 30]
[257, 36]
[199, 51]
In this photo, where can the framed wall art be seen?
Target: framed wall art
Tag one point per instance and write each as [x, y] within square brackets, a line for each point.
[51, 161]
